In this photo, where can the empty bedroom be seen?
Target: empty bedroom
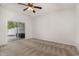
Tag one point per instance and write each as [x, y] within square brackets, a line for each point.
[39, 29]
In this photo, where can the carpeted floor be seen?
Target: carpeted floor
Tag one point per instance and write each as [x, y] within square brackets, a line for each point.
[37, 47]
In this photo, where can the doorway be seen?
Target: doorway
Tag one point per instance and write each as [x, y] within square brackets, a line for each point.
[16, 30]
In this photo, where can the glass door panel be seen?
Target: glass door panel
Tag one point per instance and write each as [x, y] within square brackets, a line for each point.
[16, 30]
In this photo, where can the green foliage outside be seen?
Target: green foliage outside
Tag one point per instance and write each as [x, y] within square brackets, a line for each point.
[11, 25]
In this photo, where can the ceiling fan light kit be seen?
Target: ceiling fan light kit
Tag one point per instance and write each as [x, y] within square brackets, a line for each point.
[30, 6]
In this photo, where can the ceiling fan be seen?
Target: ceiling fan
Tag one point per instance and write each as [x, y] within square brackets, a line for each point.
[30, 6]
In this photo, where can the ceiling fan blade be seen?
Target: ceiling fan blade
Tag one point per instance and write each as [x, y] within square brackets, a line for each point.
[38, 7]
[22, 4]
[25, 9]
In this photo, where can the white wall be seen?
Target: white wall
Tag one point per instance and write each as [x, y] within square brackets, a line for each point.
[56, 26]
[7, 15]
[77, 26]
[2, 28]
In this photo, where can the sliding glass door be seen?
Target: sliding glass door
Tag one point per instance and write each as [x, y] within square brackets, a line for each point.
[20, 30]
[16, 30]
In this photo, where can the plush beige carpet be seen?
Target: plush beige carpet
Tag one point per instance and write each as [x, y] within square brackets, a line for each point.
[36, 47]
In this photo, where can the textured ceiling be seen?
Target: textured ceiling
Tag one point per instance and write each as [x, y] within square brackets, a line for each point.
[47, 8]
